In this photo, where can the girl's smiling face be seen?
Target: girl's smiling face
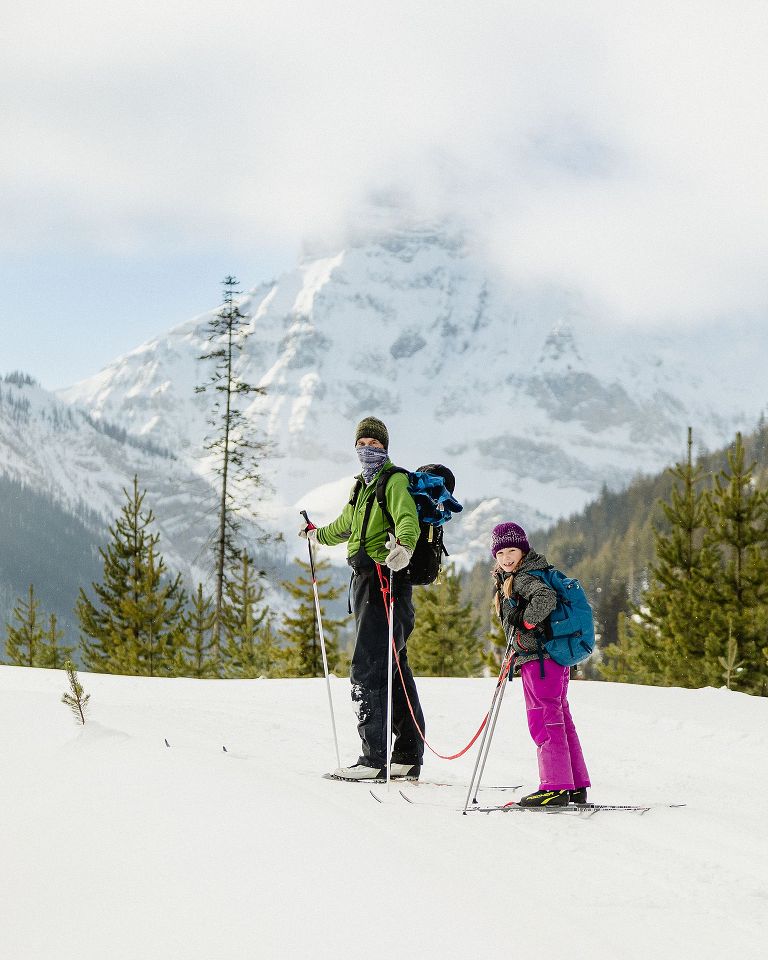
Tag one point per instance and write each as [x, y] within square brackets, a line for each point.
[509, 559]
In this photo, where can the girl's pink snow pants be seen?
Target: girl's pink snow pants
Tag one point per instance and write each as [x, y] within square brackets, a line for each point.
[561, 762]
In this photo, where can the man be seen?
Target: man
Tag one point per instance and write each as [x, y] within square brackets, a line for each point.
[371, 549]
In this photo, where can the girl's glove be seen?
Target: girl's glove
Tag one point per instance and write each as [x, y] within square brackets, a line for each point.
[517, 618]
[398, 556]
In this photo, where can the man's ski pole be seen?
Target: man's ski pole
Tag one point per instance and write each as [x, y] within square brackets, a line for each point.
[391, 634]
[322, 642]
[493, 714]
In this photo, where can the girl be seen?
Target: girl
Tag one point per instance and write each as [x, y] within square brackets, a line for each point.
[523, 602]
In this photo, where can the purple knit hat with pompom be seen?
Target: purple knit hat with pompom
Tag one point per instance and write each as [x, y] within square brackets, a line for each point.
[509, 535]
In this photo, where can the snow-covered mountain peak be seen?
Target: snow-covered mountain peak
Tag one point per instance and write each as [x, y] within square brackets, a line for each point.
[535, 405]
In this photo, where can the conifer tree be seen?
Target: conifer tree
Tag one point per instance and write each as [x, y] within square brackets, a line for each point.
[478, 587]
[29, 643]
[760, 441]
[133, 626]
[242, 618]
[730, 662]
[495, 644]
[621, 658]
[77, 699]
[302, 654]
[664, 640]
[154, 605]
[231, 443]
[270, 655]
[52, 654]
[25, 639]
[197, 624]
[445, 641]
[738, 529]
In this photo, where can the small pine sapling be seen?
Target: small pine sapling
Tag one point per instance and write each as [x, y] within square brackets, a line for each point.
[77, 700]
[730, 663]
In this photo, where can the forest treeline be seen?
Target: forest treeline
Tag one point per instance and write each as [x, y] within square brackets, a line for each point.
[676, 566]
[613, 547]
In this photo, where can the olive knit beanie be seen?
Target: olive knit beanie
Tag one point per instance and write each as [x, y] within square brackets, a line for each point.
[373, 428]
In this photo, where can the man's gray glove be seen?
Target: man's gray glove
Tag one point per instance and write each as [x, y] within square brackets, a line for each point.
[309, 533]
[398, 556]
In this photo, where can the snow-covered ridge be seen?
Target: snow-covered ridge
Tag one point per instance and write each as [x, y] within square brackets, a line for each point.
[531, 401]
[61, 450]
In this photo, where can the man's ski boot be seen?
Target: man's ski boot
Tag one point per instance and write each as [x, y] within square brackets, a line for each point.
[358, 771]
[579, 795]
[404, 771]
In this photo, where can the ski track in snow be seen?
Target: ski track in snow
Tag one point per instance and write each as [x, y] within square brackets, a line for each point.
[116, 846]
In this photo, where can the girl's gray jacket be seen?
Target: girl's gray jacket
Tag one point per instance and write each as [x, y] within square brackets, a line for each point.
[539, 601]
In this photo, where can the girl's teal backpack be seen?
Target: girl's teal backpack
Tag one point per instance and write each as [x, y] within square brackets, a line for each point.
[569, 630]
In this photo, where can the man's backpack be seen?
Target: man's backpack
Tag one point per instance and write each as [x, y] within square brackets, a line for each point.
[432, 489]
[570, 628]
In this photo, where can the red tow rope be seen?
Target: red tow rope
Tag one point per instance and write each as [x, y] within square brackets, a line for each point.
[384, 584]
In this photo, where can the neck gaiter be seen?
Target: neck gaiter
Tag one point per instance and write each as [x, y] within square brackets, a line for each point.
[371, 459]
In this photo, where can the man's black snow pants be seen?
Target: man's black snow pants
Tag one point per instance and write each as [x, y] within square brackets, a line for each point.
[368, 672]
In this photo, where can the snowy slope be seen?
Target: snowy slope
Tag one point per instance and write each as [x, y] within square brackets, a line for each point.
[57, 449]
[117, 846]
[533, 403]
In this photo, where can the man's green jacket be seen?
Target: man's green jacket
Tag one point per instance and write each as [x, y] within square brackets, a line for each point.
[348, 526]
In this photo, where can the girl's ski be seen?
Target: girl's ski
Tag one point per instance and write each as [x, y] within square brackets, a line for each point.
[584, 808]
[572, 808]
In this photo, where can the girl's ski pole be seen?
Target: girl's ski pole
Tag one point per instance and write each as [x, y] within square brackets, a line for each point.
[322, 641]
[493, 713]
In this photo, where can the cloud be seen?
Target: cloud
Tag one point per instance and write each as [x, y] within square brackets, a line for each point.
[618, 148]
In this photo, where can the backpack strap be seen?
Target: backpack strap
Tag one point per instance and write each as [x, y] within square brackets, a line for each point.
[381, 492]
[355, 491]
[381, 499]
[540, 648]
[366, 518]
[545, 625]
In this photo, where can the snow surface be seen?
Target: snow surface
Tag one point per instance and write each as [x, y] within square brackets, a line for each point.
[118, 847]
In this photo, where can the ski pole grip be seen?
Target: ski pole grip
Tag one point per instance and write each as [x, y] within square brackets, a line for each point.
[310, 525]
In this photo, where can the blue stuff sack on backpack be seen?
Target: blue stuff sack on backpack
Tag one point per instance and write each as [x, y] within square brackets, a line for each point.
[433, 493]
[431, 487]
[570, 628]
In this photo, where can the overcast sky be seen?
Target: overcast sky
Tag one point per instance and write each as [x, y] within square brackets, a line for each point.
[619, 148]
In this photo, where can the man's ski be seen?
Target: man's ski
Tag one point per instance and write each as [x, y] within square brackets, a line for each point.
[412, 782]
[367, 780]
[427, 803]
[499, 788]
